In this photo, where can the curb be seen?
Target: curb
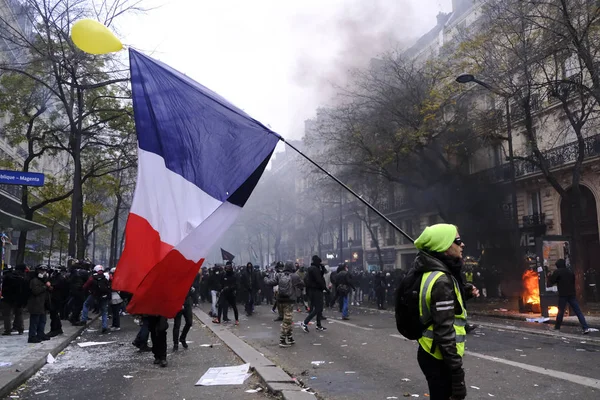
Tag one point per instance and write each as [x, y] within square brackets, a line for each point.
[27, 373]
[276, 379]
[490, 314]
[590, 339]
[520, 318]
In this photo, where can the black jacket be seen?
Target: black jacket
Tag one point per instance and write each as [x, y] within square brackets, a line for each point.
[228, 282]
[250, 280]
[214, 281]
[38, 299]
[314, 278]
[565, 279]
[343, 278]
[444, 335]
[15, 288]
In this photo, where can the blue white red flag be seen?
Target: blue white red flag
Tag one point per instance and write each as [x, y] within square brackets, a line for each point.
[199, 159]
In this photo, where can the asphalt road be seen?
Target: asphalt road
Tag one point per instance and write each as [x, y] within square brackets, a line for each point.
[99, 372]
[366, 358]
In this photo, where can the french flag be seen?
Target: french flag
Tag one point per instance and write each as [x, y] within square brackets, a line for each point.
[199, 159]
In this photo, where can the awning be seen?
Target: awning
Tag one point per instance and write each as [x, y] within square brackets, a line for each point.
[17, 223]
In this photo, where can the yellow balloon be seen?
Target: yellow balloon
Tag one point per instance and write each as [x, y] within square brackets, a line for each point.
[94, 38]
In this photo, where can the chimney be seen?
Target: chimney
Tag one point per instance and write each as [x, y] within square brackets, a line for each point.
[441, 18]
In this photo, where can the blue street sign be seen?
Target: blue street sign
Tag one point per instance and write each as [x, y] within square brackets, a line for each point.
[21, 178]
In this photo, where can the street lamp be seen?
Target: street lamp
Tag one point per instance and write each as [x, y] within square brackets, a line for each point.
[467, 78]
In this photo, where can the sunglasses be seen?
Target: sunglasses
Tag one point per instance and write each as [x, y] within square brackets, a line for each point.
[458, 241]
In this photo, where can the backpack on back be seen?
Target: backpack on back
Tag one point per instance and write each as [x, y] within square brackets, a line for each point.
[102, 286]
[408, 321]
[286, 286]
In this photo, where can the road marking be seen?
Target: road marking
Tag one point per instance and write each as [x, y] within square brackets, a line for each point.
[580, 380]
[353, 325]
[398, 336]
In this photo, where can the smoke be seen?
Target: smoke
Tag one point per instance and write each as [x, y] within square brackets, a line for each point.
[346, 37]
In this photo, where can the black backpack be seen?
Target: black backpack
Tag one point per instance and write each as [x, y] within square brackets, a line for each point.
[102, 286]
[408, 321]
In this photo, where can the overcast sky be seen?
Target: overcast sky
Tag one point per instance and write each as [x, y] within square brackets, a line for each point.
[276, 59]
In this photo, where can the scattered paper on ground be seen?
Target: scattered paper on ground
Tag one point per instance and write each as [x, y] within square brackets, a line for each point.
[42, 392]
[316, 344]
[317, 362]
[50, 359]
[235, 375]
[254, 390]
[474, 387]
[540, 320]
[491, 395]
[127, 376]
[350, 372]
[205, 345]
[5, 364]
[405, 380]
[88, 344]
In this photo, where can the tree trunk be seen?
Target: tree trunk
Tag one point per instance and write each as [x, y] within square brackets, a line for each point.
[51, 243]
[114, 236]
[76, 203]
[21, 247]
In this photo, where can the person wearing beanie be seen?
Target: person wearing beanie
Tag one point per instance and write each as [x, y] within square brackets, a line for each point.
[315, 286]
[441, 346]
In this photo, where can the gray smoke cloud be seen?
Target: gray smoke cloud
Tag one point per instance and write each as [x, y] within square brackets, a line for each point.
[358, 31]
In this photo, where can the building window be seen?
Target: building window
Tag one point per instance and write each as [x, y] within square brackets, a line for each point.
[357, 232]
[497, 153]
[535, 203]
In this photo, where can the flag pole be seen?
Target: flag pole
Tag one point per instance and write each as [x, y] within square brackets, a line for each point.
[359, 197]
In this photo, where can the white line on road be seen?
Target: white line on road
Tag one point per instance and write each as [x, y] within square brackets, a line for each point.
[353, 325]
[581, 380]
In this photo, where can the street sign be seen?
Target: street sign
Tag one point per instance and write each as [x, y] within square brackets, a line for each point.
[21, 178]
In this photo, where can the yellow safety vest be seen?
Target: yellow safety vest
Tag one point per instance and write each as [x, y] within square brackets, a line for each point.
[469, 276]
[460, 320]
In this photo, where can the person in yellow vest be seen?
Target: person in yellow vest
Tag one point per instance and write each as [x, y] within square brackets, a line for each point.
[441, 307]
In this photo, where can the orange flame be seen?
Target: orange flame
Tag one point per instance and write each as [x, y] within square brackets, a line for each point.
[553, 311]
[531, 287]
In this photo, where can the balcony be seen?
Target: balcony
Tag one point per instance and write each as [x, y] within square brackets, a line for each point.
[561, 155]
[555, 157]
[536, 219]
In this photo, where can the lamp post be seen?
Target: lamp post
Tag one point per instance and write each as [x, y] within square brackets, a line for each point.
[467, 78]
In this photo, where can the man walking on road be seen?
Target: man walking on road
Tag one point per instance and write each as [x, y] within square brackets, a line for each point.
[315, 285]
[442, 310]
[289, 284]
[565, 278]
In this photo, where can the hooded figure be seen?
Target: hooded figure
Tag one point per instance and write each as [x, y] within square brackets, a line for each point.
[441, 347]
[565, 279]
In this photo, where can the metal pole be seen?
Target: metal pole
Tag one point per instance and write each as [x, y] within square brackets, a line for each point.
[376, 211]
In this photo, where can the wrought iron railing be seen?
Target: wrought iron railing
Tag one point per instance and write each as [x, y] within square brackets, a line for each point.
[561, 155]
[535, 219]
[555, 157]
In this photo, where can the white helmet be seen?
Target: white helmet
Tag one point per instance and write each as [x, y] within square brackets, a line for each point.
[112, 270]
[98, 268]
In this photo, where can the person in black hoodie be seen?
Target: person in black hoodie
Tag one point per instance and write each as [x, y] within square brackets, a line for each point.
[228, 292]
[250, 284]
[565, 279]
[344, 287]
[15, 291]
[315, 285]
[186, 313]
[214, 287]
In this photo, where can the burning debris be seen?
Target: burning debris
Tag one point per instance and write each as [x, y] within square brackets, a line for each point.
[530, 297]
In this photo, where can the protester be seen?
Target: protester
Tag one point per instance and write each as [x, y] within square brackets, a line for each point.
[565, 279]
[344, 287]
[214, 287]
[15, 292]
[289, 284]
[37, 304]
[100, 292]
[228, 295]
[186, 313]
[315, 285]
[116, 302]
[442, 345]
[158, 327]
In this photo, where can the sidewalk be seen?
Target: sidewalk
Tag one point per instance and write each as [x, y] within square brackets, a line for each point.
[19, 360]
[506, 310]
